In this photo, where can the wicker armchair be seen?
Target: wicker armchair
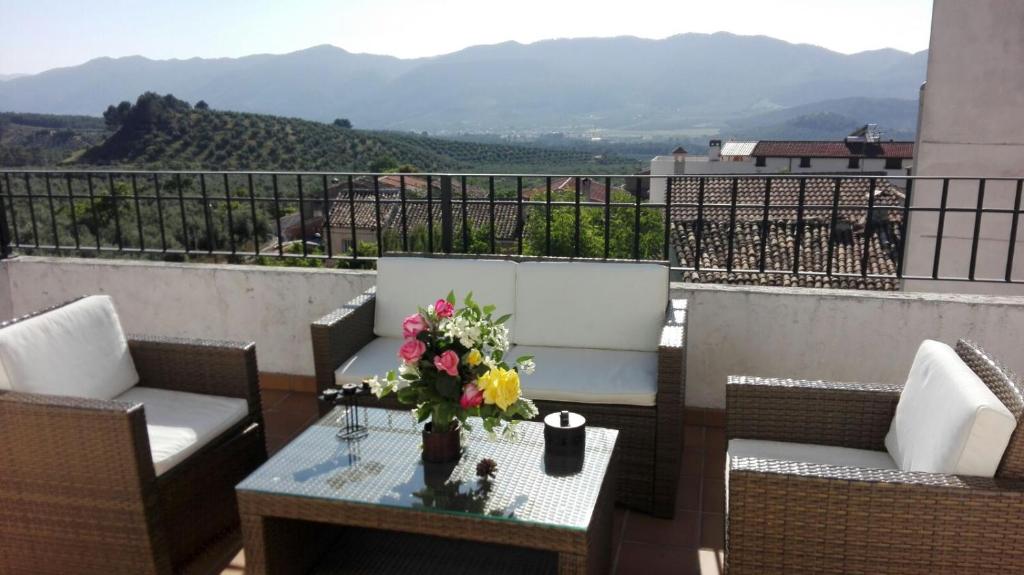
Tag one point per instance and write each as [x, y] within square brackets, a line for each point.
[797, 517]
[78, 489]
[652, 436]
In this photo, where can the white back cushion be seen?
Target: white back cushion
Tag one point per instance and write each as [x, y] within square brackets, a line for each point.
[947, 420]
[403, 284]
[591, 305]
[77, 350]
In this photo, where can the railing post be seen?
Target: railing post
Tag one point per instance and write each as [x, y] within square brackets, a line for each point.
[446, 214]
[5, 236]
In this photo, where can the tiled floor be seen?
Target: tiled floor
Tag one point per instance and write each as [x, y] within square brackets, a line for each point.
[691, 543]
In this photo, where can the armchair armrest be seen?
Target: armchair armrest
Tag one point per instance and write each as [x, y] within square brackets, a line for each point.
[670, 403]
[340, 334]
[799, 517]
[72, 468]
[854, 415]
[210, 367]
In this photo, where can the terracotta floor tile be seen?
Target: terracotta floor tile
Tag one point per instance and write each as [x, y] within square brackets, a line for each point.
[692, 462]
[713, 496]
[271, 398]
[714, 439]
[712, 531]
[683, 531]
[712, 561]
[637, 558]
[714, 464]
[693, 436]
[688, 496]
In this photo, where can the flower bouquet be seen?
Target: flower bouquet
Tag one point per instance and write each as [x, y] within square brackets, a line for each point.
[453, 367]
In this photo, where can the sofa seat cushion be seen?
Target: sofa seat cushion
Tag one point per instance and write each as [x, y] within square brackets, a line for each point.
[617, 306]
[403, 284]
[809, 453]
[590, 375]
[180, 423]
[947, 420]
[375, 358]
[76, 350]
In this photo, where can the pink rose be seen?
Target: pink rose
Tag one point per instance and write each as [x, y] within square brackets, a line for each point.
[471, 396]
[412, 350]
[413, 326]
[443, 309]
[447, 362]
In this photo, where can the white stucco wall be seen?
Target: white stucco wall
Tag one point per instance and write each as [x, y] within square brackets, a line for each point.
[970, 125]
[270, 305]
[831, 334]
[782, 332]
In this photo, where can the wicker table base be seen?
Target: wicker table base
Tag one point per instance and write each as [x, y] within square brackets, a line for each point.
[322, 529]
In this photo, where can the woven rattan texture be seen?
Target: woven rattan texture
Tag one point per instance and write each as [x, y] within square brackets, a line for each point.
[78, 493]
[1007, 386]
[651, 437]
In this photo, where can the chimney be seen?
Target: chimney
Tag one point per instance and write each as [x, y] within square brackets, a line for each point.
[679, 154]
[714, 150]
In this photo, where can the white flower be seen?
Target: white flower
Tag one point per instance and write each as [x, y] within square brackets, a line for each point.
[526, 367]
[377, 385]
[408, 369]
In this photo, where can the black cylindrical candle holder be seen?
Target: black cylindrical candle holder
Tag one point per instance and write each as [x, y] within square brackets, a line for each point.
[565, 441]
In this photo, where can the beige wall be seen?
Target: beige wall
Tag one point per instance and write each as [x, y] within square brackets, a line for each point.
[271, 305]
[834, 335]
[971, 124]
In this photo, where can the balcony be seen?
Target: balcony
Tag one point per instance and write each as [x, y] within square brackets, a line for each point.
[760, 261]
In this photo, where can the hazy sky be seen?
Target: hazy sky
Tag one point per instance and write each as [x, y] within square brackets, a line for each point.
[42, 34]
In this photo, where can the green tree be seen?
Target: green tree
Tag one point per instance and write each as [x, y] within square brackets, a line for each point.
[343, 123]
[202, 106]
[383, 164]
[591, 234]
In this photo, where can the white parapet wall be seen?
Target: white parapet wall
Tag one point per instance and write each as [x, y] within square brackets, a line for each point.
[733, 330]
[272, 306]
[836, 335]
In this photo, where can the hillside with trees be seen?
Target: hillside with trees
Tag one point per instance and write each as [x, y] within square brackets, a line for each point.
[166, 132]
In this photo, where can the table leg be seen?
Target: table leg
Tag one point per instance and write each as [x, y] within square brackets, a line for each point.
[282, 546]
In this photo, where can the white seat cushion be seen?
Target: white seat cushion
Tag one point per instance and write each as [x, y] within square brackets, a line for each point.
[376, 358]
[180, 423]
[947, 420]
[808, 453]
[590, 375]
[77, 350]
[591, 305]
[403, 284]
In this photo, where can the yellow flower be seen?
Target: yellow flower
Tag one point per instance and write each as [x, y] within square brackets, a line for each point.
[474, 357]
[500, 387]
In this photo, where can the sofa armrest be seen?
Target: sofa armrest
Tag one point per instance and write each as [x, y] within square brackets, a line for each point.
[854, 415]
[670, 403]
[340, 334]
[797, 517]
[208, 367]
[72, 468]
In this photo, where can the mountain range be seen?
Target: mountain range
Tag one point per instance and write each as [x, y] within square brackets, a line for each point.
[621, 83]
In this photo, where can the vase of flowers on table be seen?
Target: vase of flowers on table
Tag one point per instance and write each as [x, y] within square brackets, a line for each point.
[453, 366]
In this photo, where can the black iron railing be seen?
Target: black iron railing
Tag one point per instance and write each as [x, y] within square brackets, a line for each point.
[834, 230]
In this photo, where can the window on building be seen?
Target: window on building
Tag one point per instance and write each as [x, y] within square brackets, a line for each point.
[893, 163]
[759, 161]
[854, 163]
[805, 162]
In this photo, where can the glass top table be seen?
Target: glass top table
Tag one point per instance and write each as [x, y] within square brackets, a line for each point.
[385, 469]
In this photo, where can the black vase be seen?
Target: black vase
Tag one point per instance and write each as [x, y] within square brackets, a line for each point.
[441, 447]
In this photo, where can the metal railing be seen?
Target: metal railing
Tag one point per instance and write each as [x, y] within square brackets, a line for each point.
[843, 230]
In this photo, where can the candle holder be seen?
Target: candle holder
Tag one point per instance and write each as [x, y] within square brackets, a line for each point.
[353, 417]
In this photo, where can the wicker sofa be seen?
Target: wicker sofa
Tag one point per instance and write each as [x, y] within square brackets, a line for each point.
[120, 455]
[607, 341]
[791, 515]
